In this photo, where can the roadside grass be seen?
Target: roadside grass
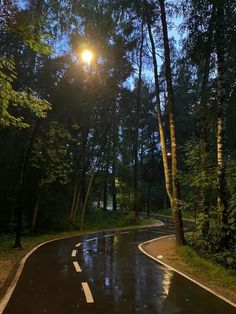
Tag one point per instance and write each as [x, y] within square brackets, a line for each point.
[187, 215]
[94, 221]
[208, 269]
[103, 220]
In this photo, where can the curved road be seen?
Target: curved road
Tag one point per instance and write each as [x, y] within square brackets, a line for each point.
[105, 273]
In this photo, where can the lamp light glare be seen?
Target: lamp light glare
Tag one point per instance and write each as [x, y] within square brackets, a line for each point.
[87, 56]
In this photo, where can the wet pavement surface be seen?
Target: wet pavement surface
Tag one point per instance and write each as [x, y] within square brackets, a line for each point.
[120, 279]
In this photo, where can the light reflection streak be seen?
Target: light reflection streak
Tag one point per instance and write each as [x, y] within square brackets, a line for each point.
[110, 255]
[167, 278]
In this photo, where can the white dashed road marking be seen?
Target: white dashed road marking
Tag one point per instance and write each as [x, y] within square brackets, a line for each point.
[77, 267]
[108, 235]
[91, 239]
[74, 252]
[87, 292]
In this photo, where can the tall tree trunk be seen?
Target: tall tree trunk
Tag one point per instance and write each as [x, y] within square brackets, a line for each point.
[176, 210]
[203, 126]
[20, 209]
[221, 113]
[83, 188]
[76, 207]
[36, 208]
[142, 148]
[72, 209]
[105, 186]
[136, 141]
[86, 201]
[82, 164]
[148, 198]
[114, 159]
[158, 108]
[114, 202]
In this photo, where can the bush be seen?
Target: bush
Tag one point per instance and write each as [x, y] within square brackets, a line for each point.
[98, 219]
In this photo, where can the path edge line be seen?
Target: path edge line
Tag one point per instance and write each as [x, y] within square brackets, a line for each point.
[10, 289]
[179, 272]
[19, 270]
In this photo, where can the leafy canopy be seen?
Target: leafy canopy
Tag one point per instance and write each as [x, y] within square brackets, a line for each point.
[13, 102]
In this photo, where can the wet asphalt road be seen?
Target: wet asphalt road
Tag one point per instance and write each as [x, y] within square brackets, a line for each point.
[120, 278]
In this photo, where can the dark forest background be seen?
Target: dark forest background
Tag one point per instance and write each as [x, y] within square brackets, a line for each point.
[148, 125]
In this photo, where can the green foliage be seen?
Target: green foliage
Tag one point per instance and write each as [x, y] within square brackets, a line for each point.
[198, 178]
[6, 242]
[102, 220]
[186, 214]
[103, 103]
[213, 271]
[51, 155]
[199, 173]
[29, 22]
[210, 245]
[124, 195]
[231, 181]
[13, 103]
[98, 220]
[32, 33]
[200, 181]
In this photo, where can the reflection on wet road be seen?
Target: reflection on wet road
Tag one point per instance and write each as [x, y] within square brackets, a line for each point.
[106, 274]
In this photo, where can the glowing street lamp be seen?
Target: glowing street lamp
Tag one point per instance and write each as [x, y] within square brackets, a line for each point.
[87, 56]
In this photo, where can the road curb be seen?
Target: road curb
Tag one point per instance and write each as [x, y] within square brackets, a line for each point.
[179, 272]
[10, 289]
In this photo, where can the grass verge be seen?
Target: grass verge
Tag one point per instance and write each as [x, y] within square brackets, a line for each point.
[208, 269]
[95, 221]
[187, 215]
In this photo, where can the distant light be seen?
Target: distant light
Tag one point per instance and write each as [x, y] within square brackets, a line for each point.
[87, 56]
[168, 154]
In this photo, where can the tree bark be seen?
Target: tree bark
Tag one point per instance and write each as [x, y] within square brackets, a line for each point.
[36, 208]
[176, 210]
[136, 141]
[86, 201]
[203, 126]
[114, 159]
[73, 201]
[114, 202]
[76, 207]
[158, 108]
[84, 188]
[148, 198]
[221, 114]
[105, 185]
[20, 209]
